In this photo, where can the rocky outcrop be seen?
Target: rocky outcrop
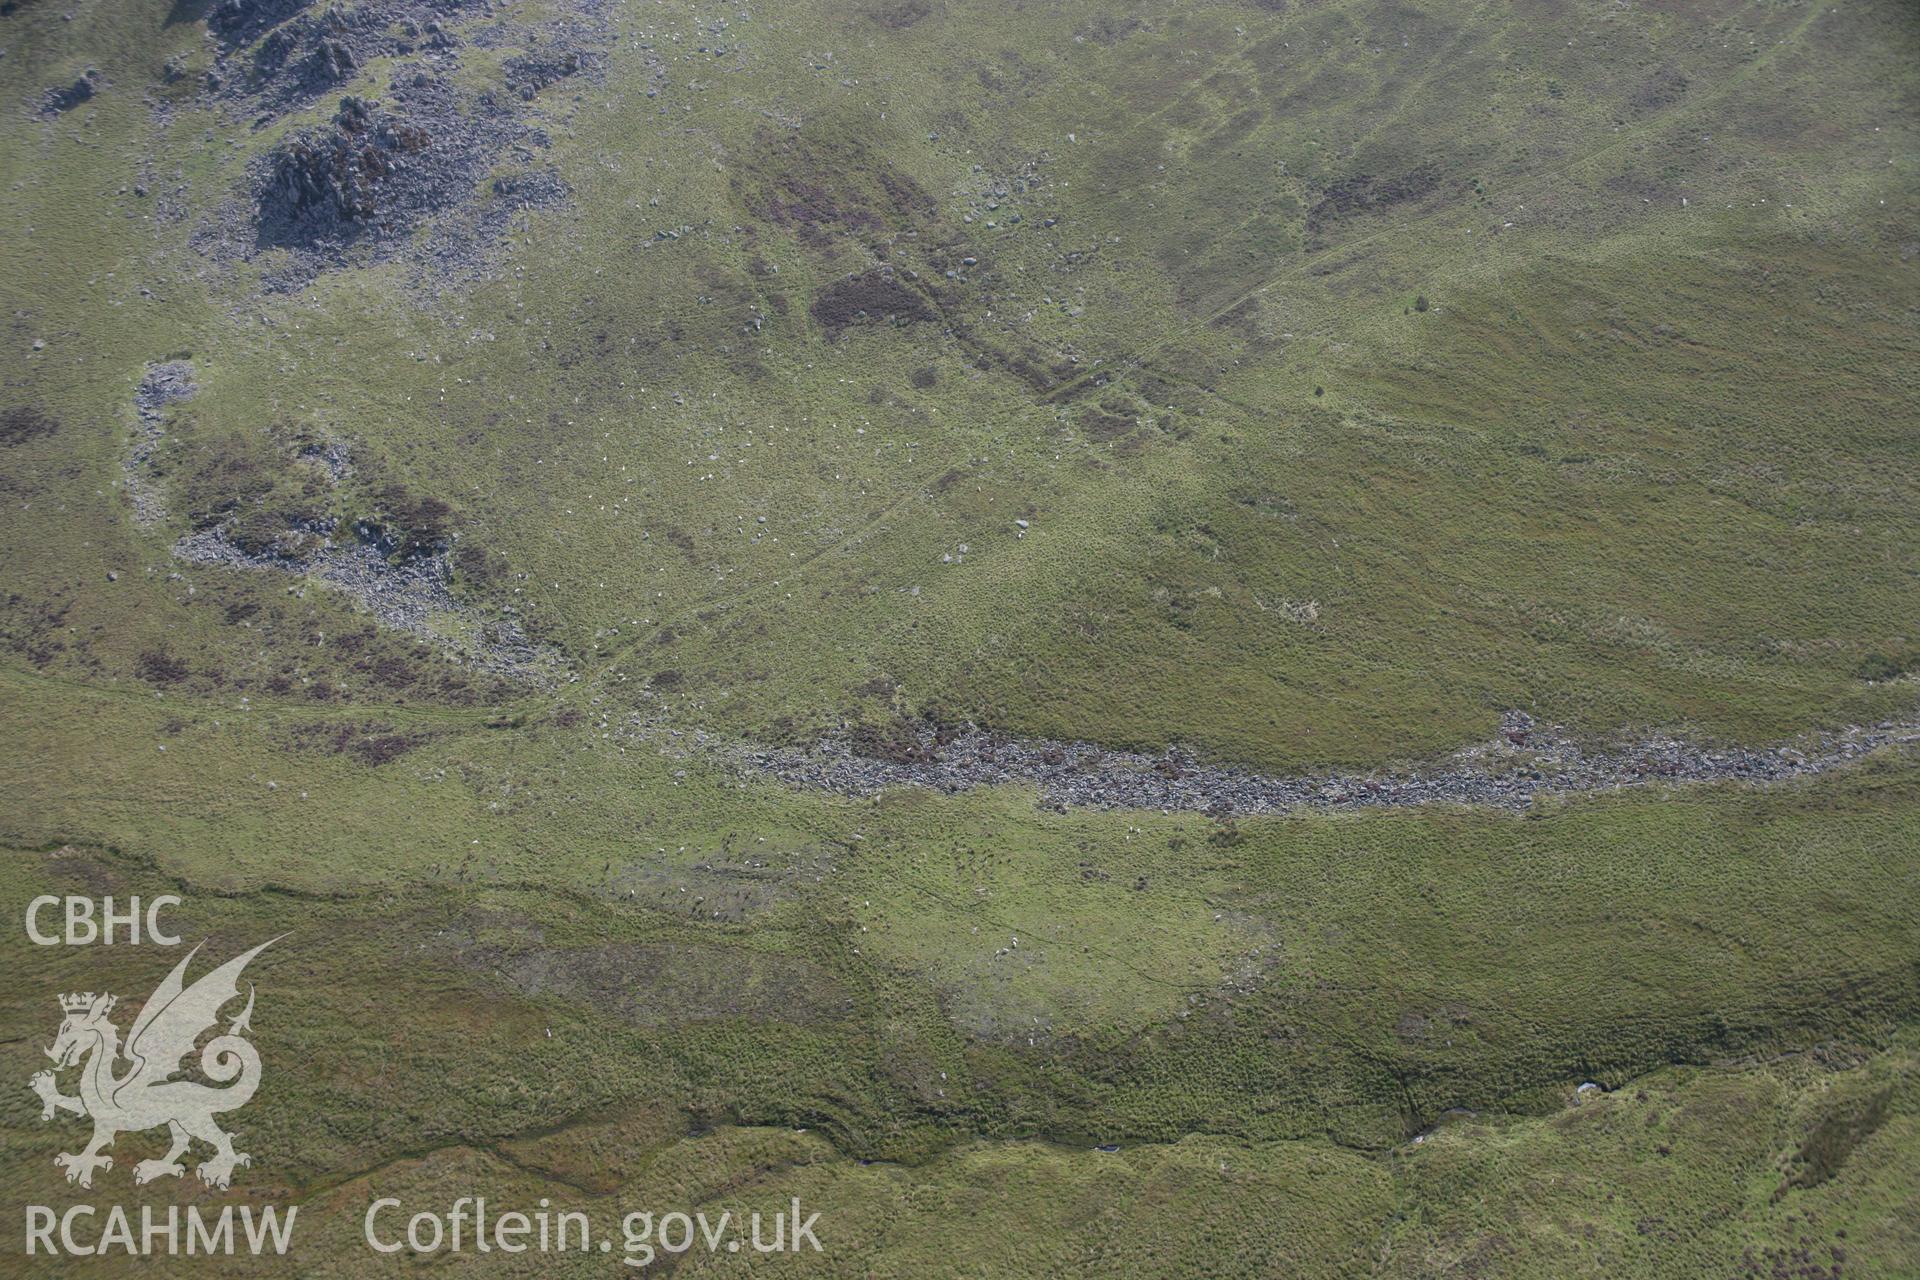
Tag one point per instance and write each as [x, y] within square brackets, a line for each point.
[355, 188]
[160, 387]
[58, 101]
[411, 595]
[280, 53]
[398, 567]
[1524, 762]
[370, 172]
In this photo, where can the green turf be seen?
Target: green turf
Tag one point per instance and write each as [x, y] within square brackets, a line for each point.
[1329, 379]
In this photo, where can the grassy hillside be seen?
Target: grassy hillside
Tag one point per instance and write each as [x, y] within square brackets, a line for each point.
[441, 441]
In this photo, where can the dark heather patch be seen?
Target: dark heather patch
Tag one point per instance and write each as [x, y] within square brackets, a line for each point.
[868, 299]
[901, 15]
[370, 742]
[157, 666]
[1662, 89]
[821, 191]
[25, 422]
[1105, 426]
[1834, 1138]
[1369, 193]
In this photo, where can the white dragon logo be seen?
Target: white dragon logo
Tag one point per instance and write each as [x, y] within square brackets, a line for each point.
[146, 1095]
